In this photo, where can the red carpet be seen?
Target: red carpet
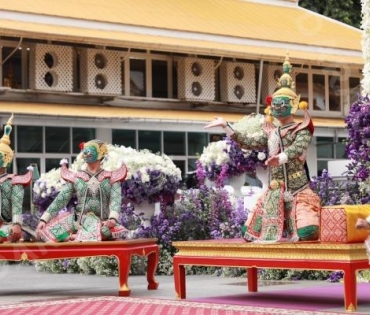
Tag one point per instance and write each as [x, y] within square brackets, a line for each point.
[136, 306]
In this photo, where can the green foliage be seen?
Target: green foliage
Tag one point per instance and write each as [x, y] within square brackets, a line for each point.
[165, 265]
[363, 276]
[57, 266]
[346, 11]
[293, 274]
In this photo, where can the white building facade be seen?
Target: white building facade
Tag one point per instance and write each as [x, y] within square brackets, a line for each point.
[150, 76]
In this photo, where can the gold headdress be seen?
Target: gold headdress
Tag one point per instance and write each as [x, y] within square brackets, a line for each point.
[285, 89]
[100, 146]
[5, 149]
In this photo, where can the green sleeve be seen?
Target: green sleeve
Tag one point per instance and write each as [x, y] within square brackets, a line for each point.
[300, 144]
[250, 143]
[60, 201]
[115, 200]
[17, 203]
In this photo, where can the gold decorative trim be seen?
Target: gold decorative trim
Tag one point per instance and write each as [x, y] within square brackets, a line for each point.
[351, 308]
[24, 257]
[124, 287]
[286, 251]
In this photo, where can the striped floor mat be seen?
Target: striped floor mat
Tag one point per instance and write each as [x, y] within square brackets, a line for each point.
[138, 306]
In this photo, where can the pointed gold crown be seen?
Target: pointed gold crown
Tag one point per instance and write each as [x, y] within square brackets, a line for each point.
[286, 85]
[285, 89]
[5, 148]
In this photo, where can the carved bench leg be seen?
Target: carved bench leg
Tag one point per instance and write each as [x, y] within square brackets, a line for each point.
[152, 268]
[350, 288]
[179, 277]
[252, 279]
[124, 264]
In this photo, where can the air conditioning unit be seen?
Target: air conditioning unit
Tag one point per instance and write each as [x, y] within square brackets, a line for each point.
[51, 68]
[100, 71]
[196, 79]
[238, 83]
[270, 77]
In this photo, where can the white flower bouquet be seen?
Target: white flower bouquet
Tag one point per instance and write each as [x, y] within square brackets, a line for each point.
[223, 159]
[151, 177]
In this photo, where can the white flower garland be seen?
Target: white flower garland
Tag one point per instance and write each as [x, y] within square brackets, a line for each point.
[135, 161]
[216, 152]
[250, 125]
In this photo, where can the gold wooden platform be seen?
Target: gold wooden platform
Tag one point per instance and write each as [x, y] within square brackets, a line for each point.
[299, 255]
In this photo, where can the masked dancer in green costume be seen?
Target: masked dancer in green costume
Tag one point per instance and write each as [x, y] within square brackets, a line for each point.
[288, 210]
[11, 191]
[98, 207]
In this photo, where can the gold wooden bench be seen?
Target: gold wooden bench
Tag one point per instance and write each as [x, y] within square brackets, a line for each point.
[300, 255]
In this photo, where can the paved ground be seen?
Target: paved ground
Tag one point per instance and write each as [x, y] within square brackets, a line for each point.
[22, 283]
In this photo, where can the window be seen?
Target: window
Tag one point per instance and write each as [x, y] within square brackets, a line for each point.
[340, 148]
[354, 89]
[181, 165]
[325, 147]
[137, 77]
[192, 166]
[159, 79]
[126, 138]
[57, 140]
[301, 82]
[12, 68]
[334, 93]
[174, 143]
[196, 142]
[319, 92]
[150, 140]
[52, 163]
[326, 92]
[329, 148]
[29, 139]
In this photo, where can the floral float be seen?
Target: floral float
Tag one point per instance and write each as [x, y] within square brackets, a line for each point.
[224, 159]
[151, 177]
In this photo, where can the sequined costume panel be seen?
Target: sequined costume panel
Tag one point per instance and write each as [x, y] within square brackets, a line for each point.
[11, 201]
[11, 206]
[95, 199]
[250, 143]
[295, 146]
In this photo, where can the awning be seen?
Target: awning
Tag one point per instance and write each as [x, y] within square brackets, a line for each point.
[109, 112]
[162, 43]
[283, 22]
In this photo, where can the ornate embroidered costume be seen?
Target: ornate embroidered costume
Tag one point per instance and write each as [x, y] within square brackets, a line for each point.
[288, 210]
[11, 190]
[98, 199]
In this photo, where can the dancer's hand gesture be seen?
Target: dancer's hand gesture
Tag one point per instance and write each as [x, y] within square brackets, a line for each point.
[217, 122]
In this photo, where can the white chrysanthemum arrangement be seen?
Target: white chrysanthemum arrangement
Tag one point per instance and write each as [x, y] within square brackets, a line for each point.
[223, 159]
[151, 177]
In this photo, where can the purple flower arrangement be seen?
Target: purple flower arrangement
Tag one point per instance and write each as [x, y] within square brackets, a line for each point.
[224, 159]
[358, 144]
[199, 214]
[160, 187]
[333, 192]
